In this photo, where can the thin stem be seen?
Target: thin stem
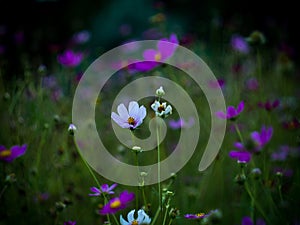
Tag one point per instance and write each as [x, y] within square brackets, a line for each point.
[156, 215]
[158, 167]
[238, 132]
[3, 190]
[170, 222]
[90, 170]
[136, 152]
[105, 202]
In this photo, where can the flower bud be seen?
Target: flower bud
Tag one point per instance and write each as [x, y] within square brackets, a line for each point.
[160, 92]
[72, 129]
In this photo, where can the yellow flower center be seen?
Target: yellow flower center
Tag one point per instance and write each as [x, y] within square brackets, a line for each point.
[131, 121]
[5, 153]
[161, 108]
[115, 204]
[157, 56]
[200, 214]
[135, 222]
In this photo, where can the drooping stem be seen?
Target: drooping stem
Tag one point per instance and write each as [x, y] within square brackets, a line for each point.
[3, 190]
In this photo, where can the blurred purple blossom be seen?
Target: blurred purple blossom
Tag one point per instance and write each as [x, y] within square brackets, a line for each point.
[248, 221]
[70, 222]
[117, 203]
[283, 171]
[268, 105]
[153, 57]
[105, 188]
[181, 123]
[81, 37]
[240, 156]
[252, 84]
[220, 83]
[281, 154]
[69, 58]
[262, 138]
[194, 216]
[8, 155]
[239, 44]
[231, 112]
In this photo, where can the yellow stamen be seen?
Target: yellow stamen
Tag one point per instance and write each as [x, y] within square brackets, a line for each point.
[5, 153]
[135, 222]
[157, 56]
[200, 214]
[115, 204]
[131, 121]
[161, 108]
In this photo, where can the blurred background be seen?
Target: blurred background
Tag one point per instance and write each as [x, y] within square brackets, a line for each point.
[42, 28]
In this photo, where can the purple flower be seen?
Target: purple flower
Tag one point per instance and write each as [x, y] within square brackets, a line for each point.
[181, 123]
[282, 171]
[117, 203]
[252, 84]
[70, 222]
[129, 119]
[69, 58]
[194, 216]
[262, 138]
[239, 44]
[103, 189]
[153, 57]
[281, 154]
[241, 156]
[248, 221]
[220, 83]
[268, 105]
[231, 112]
[8, 155]
[81, 37]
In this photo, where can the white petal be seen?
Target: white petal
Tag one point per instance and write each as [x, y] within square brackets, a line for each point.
[133, 109]
[123, 113]
[130, 216]
[155, 105]
[120, 121]
[142, 112]
[122, 221]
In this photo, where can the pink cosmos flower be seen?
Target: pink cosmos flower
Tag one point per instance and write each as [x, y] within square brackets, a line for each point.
[69, 58]
[153, 57]
[8, 155]
[117, 203]
[105, 188]
[231, 112]
[262, 138]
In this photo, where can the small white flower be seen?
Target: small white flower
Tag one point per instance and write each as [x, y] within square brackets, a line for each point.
[161, 109]
[142, 218]
[160, 92]
[72, 129]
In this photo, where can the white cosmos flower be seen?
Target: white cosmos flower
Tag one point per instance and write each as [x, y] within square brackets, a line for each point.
[161, 109]
[142, 218]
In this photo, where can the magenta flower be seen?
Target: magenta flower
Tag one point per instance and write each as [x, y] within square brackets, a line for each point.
[181, 123]
[8, 155]
[262, 138]
[268, 105]
[252, 84]
[239, 44]
[231, 112]
[131, 118]
[194, 216]
[117, 203]
[241, 156]
[103, 189]
[70, 223]
[248, 221]
[70, 59]
[153, 57]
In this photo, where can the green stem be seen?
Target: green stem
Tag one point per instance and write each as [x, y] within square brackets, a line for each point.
[156, 216]
[170, 222]
[3, 190]
[238, 132]
[158, 167]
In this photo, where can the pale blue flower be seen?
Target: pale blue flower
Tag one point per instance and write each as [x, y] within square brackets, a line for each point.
[142, 218]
